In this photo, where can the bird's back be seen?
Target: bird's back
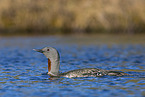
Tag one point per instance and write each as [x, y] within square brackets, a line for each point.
[90, 72]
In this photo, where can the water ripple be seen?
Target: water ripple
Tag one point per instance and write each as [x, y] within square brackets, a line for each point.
[23, 71]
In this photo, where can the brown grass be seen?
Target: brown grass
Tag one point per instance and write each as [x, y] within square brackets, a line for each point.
[49, 16]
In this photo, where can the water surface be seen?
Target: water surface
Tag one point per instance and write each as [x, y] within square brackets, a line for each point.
[23, 71]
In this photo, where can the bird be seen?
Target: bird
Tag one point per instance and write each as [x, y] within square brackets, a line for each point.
[54, 63]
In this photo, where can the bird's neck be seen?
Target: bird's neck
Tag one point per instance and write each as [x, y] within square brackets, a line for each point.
[49, 65]
[53, 66]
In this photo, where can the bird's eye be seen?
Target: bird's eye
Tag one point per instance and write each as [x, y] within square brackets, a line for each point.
[47, 49]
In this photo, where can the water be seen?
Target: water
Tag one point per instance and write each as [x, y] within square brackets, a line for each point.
[23, 71]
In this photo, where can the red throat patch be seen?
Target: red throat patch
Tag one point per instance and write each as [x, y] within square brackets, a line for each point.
[49, 65]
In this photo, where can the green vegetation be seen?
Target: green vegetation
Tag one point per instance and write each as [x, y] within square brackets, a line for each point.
[66, 16]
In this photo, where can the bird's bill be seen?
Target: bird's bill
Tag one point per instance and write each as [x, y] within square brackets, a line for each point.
[38, 50]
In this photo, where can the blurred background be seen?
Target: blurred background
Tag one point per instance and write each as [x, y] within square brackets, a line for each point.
[105, 34]
[35, 17]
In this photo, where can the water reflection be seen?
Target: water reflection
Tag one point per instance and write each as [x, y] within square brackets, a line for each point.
[23, 72]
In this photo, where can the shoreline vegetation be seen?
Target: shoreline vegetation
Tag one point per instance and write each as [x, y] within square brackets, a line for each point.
[41, 17]
[85, 39]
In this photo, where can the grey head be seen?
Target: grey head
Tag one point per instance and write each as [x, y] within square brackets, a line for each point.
[49, 52]
[53, 59]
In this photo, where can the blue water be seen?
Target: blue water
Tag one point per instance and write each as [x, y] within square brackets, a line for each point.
[23, 71]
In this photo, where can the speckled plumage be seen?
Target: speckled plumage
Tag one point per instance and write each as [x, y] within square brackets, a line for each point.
[91, 72]
[53, 64]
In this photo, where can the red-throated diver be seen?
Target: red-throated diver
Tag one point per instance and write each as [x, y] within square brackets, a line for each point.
[53, 67]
